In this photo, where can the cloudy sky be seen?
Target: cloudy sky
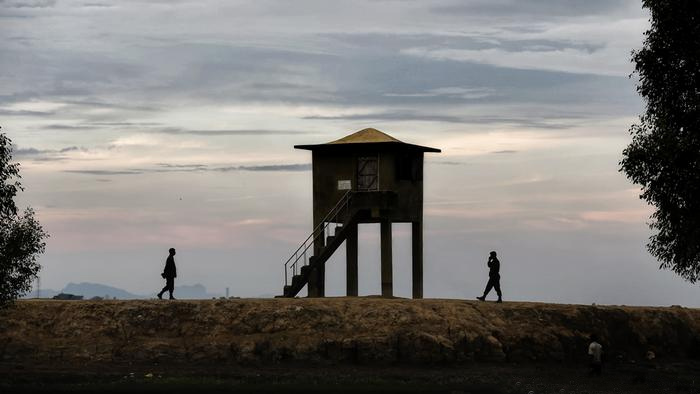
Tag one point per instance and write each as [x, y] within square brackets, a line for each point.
[142, 125]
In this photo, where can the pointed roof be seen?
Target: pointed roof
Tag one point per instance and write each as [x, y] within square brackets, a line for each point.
[367, 136]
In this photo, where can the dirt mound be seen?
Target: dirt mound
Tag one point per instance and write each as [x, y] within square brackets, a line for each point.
[336, 330]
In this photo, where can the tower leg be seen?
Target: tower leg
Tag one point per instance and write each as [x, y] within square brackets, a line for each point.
[312, 284]
[351, 262]
[321, 280]
[417, 247]
[317, 279]
[386, 244]
[316, 284]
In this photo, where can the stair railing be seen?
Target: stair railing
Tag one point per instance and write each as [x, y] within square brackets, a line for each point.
[300, 255]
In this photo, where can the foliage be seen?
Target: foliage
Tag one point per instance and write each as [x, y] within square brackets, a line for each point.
[664, 155]
[21, 235]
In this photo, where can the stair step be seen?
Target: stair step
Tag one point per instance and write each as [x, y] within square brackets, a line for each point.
[338, 229]
[297, 280]
[304, 270]
[330, 239]
[287, 292]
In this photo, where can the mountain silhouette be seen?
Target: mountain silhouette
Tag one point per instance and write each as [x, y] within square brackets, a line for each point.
[90, 290]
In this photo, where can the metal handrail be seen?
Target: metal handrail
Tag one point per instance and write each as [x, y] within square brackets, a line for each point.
[344, 201]
[315, 230]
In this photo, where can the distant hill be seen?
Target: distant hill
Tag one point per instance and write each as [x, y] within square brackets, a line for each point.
[44, 293]
[90, 290]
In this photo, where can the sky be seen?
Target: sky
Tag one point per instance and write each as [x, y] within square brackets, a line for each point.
[145, 125]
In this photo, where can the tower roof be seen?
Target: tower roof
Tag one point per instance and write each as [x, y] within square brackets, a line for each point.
[367, 136]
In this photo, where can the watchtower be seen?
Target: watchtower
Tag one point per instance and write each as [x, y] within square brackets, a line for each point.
[366, 177]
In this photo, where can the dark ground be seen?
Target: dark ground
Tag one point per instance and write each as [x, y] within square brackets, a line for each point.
[344, 345]
[472, 378]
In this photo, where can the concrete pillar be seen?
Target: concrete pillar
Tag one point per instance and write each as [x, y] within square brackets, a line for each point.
[316, 285]
[417, 247]
[386, 244]
[351, 261]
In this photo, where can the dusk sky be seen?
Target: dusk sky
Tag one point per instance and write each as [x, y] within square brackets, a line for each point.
[145, 125]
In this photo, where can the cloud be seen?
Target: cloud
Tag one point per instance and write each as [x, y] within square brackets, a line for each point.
[276, 167]
[125, 124]
[535, 9]
[182, 166]
[399, 115]
[27, 151]
[9, 112]
[570, 60]
[264, 168]
[34, 151]
[452, 92]
[166, 167]
[553, 121]
[198, 77]
[139, 140]
[159, 128]
[28, 3]
[49, 158]
[617, 216]
[66, 127]
[505, 151]
[97, 5]
[229, 132]
[104, 172]
[112, 105]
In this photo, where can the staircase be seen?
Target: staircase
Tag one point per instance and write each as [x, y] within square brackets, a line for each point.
[334, 229]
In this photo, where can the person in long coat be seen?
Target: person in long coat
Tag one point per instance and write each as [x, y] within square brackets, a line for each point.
[169, 274]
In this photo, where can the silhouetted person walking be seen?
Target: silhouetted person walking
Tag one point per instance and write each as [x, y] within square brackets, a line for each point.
[494, 277]
[169, 273]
